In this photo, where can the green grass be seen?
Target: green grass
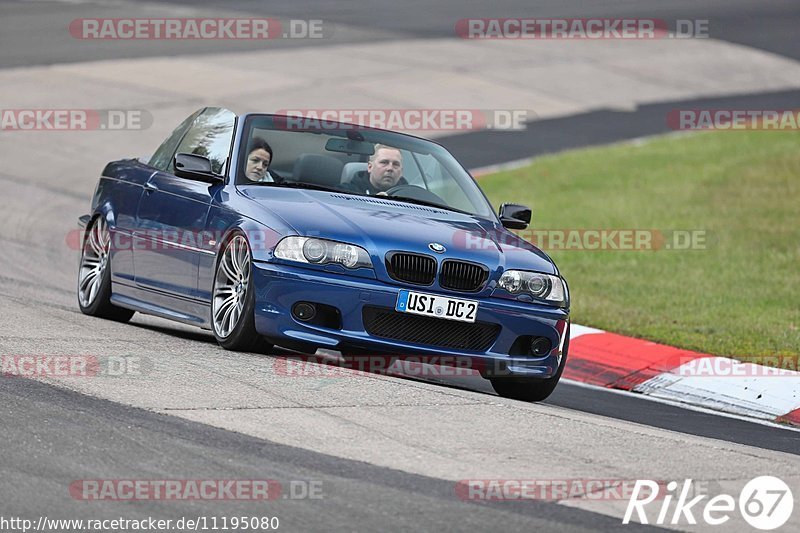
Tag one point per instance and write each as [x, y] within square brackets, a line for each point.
[738, 297]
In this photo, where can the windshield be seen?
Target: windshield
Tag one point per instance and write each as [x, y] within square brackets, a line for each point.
[288, 151]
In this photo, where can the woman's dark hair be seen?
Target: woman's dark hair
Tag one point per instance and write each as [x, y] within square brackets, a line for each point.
[260, 144]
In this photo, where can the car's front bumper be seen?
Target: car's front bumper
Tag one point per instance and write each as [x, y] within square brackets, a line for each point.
[279, 287]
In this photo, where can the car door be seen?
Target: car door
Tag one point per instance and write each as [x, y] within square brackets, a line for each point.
[172, 212]
[126, 190]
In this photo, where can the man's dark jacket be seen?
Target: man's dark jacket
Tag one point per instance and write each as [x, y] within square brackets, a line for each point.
[360, 184]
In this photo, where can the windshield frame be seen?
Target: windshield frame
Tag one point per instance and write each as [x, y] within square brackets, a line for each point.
[245, 126]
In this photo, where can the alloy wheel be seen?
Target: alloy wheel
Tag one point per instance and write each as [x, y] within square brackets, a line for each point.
[94, 262]
[230, 286]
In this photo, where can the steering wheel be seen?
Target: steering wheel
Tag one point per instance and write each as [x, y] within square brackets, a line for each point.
[415, 193]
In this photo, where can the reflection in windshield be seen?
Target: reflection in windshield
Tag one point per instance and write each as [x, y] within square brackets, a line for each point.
[356, 160]
[210, 136]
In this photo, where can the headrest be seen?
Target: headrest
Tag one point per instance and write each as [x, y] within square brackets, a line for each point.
[351, 170]
[318, 169]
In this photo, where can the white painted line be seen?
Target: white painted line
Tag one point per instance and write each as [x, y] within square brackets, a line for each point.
[729, 385]
[576, 330]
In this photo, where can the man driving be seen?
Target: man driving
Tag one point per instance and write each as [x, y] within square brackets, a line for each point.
[384, 171]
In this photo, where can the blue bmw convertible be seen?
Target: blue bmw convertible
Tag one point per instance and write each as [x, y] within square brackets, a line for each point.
[269, 230]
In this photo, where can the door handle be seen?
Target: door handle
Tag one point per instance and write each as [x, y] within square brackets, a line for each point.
[150, 187]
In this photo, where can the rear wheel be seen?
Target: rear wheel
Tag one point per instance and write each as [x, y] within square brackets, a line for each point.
[94, 274]
[531, 390]
[233, 299]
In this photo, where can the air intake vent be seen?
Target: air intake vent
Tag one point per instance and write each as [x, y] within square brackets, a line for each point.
[411, 268]
[463, 276]
[390, 324]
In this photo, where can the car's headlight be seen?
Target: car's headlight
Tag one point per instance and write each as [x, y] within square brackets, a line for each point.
[322, 252]
[540, 286]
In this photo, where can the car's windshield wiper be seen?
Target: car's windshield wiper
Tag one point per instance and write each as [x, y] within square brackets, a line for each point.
[423, 202]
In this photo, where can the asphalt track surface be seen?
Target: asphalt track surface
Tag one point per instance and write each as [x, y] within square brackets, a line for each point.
[124, 428]
[33, 31]
[75, 431]
[34, 34]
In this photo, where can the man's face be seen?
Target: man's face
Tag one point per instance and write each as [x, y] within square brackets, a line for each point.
[257, 163]
[385, 169]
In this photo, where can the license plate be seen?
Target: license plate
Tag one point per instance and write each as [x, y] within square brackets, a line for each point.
[436, 306]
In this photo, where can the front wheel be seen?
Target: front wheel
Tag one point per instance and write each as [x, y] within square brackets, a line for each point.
[233, 299]
[528, 389]
[94, 274]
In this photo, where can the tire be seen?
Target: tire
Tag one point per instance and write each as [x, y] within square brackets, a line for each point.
[94, 274]
[233, 299]
[528, 389]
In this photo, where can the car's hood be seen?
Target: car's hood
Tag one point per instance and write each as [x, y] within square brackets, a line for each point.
[381, 225]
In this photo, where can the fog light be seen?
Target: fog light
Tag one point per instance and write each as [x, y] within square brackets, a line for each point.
[304, 311]
[540, 346]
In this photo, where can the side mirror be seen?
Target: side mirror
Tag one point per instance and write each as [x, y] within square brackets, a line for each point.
[194, 167]
[515, 216]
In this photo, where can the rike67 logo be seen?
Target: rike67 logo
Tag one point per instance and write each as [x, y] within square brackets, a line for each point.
[765, 503]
